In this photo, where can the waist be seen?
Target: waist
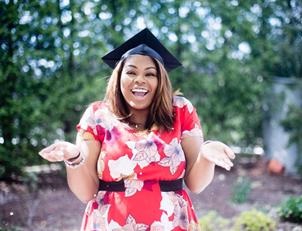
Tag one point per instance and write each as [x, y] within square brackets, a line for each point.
[119, 186]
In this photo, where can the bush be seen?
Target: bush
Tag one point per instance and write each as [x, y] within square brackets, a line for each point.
[212, 222]
[254, 221]
[241, 190]
[11, 228]
[291, 210]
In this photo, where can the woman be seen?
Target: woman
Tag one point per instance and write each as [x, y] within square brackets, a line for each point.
[135, 148]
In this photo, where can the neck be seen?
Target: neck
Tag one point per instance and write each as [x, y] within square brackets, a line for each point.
[138, 120]
[137, 126]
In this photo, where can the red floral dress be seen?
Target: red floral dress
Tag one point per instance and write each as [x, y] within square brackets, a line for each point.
[140, 159]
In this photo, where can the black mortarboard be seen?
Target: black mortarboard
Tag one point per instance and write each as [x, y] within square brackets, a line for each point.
[143, 43]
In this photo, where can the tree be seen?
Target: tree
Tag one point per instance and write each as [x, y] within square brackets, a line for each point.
[51, 63]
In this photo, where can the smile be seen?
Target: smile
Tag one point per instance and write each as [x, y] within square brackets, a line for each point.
[139, 92]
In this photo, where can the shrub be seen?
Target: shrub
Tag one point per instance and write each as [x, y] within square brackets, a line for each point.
[254, 220]
[11, 228]
[241, 190]
[212, 222]
[291, 210]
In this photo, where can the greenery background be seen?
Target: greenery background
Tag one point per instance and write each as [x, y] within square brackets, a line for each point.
[51, 69]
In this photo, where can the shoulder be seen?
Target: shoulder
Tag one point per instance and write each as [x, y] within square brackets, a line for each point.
[96, 108]
[186, 115]
[180, 102]
[97, 105]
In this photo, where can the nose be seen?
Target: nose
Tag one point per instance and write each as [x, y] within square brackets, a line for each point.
[140, 79]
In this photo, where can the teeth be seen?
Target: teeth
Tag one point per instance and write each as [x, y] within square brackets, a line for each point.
[140, 90]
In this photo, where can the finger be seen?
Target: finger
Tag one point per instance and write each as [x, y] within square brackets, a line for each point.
[49, 148]
[222, 164]
[69, 150]
[57, 155]
[58, 145]
[61, 144]
[53, 152]
[228, 161]
[223, 161]
[230, 153]
[49, 156]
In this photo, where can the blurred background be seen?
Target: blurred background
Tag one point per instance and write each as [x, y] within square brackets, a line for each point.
[242, 69]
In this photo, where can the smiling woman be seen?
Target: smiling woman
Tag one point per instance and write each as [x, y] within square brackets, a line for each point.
[139, 84]
[135, 148]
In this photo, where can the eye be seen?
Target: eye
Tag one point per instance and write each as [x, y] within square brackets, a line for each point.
[130, 73]
[151, 74]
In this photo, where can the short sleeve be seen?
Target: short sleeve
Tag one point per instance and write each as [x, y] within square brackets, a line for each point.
[89, 122]
[190, 123]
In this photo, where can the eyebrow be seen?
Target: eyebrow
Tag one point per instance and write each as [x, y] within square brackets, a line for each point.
[130, 65]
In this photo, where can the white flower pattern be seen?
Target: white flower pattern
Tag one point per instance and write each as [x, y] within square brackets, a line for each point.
[104, 118]
[180, 102]
[100, 215]
[163, 225]
[131, 225]
[174, 155]
[196, 131]
[166, 204]
[144, 152]
[132, 186]
[121, 167]
[180, 212]
[138, 159]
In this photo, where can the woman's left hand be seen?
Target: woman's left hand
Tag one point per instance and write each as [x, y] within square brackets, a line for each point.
[218, 153]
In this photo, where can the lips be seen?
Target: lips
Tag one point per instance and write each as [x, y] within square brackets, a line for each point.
[140, 92]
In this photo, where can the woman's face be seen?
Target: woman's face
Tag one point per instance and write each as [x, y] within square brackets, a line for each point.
[139, 80]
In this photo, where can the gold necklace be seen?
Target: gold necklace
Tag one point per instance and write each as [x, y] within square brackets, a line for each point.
[137, 126]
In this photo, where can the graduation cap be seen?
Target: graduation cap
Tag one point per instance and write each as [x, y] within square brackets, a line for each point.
[143, 43]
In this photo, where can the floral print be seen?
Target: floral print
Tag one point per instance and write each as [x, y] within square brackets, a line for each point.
[132, 186]
[144, 152]
[130, 225]
[183, 102]
[141, 160]
[163, 224]
[174, 156]
[121, 167]
[193, 132]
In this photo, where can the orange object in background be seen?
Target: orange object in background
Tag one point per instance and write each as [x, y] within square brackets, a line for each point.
[275, 167]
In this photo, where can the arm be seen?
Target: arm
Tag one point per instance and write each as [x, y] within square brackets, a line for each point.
[199, 171]
[83, 180]
[201, 160]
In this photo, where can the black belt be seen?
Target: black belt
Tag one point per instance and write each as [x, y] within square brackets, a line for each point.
[119, 186]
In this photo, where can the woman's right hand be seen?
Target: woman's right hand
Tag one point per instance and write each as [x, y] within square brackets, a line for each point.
[60, 151]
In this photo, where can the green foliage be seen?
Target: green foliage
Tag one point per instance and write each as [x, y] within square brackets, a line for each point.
[291, 209]
[241, 190]
[45, 83]
[50, 57]
[254, 220]
[11, 228]
[281, 26]
[212, 222]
